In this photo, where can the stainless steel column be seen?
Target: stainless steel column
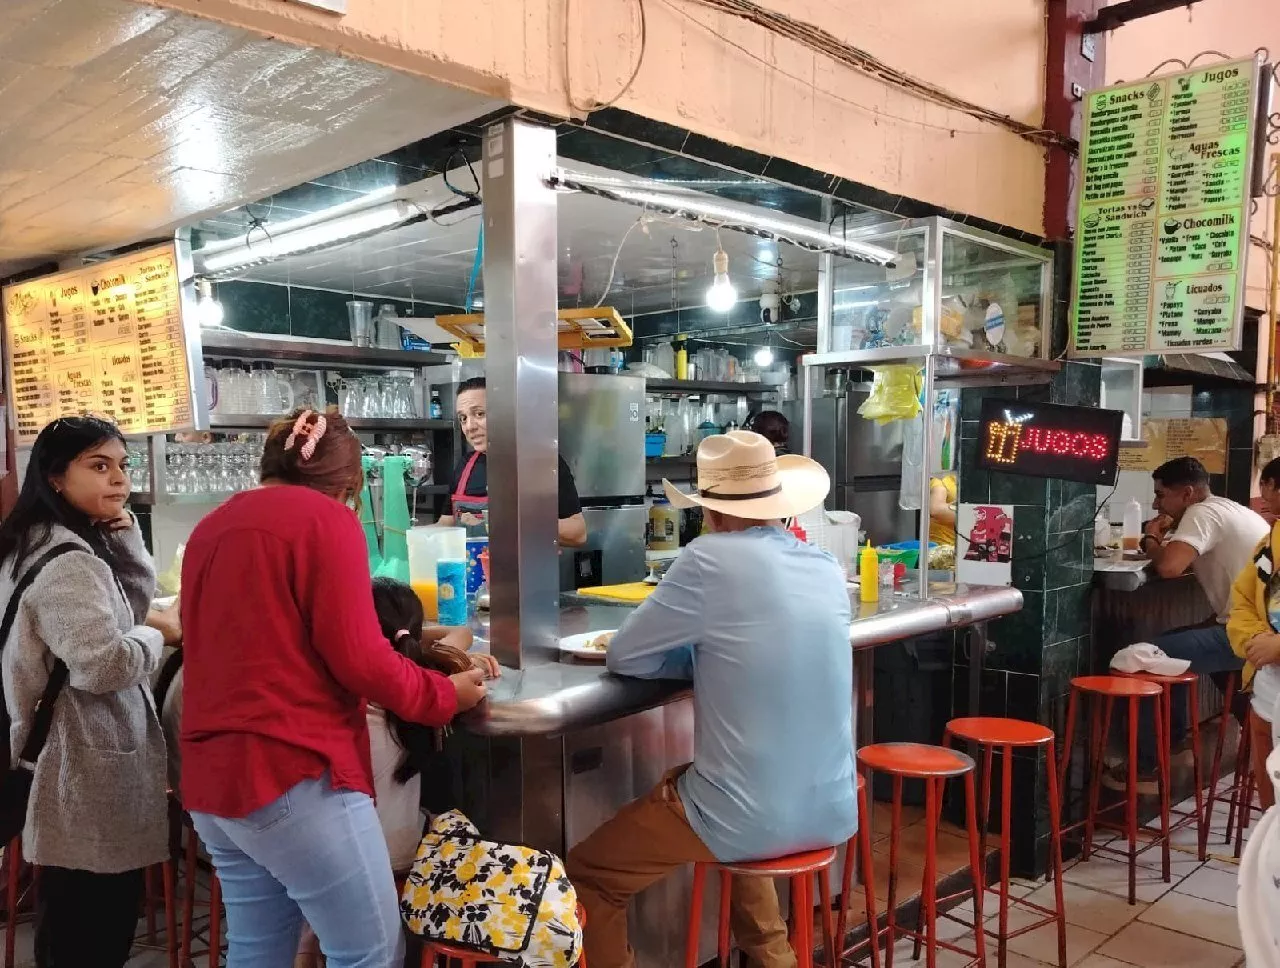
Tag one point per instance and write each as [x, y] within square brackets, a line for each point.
[520, 366]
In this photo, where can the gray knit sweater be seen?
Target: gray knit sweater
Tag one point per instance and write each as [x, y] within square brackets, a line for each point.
[98, 797]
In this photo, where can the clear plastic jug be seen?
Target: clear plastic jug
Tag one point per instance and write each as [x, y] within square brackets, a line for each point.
[428, 546]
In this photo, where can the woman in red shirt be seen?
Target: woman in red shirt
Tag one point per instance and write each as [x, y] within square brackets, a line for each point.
[283, 647]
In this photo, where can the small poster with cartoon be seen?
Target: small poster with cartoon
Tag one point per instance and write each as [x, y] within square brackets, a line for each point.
[985, 544]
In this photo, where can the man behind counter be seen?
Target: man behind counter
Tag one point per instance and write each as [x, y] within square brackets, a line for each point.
[469, 491]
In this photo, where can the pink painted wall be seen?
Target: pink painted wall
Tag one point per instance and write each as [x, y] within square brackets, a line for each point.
[732, 81]
[1236, 28]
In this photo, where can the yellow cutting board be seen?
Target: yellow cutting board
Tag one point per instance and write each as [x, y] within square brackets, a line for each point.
[636, 591]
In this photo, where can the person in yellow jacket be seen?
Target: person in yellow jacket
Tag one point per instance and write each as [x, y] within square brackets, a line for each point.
[942, 509]
[1253, 628]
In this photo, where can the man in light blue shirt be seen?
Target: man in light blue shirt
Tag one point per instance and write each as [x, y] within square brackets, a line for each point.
[760, 622]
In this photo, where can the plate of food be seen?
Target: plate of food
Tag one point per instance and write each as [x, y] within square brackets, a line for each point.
[589, 645]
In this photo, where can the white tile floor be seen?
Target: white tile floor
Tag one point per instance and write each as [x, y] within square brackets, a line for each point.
[1187, 923]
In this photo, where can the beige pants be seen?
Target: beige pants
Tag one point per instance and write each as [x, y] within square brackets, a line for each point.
[645, 842]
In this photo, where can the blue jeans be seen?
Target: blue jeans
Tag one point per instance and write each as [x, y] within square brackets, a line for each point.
[316, 853]
[1208, 651]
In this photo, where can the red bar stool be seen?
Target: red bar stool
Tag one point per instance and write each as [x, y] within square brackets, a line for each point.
[992, 733]
[1108, 689]
[934, 765]
[469, 958]
[1229, 794]
[801, 870]
[1164, 742]
[191, 865]
[170, 909]
[1241, 792]
[860, 841]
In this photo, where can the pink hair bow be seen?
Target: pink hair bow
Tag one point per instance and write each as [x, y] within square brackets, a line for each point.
[311, 431]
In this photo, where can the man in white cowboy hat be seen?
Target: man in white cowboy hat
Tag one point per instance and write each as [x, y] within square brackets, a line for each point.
[760, 622]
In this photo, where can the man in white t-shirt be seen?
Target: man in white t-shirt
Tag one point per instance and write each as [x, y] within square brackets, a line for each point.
[1213, 537]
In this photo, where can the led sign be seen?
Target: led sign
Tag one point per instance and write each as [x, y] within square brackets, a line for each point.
[1049, 440]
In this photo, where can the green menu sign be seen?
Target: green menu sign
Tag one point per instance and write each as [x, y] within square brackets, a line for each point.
[1162, 233]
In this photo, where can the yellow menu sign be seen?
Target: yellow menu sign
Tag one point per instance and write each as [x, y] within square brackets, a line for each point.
[1204, 438]
[1163, 218]
[106, 338]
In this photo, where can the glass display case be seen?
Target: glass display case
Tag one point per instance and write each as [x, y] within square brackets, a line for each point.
[955, 290]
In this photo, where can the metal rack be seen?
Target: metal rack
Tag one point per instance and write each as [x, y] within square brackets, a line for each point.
[229, 344]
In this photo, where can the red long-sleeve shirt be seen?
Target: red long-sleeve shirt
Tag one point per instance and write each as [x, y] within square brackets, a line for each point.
[282, 649]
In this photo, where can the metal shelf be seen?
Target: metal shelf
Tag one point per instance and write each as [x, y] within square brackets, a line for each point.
[691, 387]
[229, 343]
[260, 421]
[213, 497]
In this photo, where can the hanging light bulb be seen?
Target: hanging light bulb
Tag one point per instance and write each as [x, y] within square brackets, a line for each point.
[721, 296]
[208, 310]
[764, 357]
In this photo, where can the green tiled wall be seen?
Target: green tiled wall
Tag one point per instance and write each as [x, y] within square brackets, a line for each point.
[1038, 650]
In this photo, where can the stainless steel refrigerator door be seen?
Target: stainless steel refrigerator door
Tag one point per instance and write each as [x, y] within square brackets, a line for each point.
[614, 552]
[602, 434]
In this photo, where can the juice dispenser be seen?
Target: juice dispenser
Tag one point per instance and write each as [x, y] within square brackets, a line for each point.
[367, 522]
[428, 546]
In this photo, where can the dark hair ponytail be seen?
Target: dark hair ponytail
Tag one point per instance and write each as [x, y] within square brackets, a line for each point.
[39, 507]
[401, 618]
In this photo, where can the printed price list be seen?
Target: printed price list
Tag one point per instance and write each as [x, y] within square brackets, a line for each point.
[103, 339]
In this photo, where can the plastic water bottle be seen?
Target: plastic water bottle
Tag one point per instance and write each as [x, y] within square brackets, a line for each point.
[1131, 534]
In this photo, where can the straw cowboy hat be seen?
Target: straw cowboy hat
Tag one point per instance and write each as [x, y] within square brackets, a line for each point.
[739, 475]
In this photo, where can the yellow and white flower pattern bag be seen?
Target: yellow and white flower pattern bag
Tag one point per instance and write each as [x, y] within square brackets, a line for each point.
[513, 903]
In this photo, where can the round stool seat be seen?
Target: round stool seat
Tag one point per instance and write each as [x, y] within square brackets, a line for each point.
[807, 862]
[999, 731]
[1115, 686]
[915, 760]
[1182, 678]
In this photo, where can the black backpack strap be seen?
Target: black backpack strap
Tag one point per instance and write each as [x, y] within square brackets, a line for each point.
[43, 720]
[168, 672]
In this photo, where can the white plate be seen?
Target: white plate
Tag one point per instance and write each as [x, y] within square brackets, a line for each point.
[576, 645]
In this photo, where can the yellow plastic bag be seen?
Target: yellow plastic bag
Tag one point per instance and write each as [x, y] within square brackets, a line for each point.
[895, 393]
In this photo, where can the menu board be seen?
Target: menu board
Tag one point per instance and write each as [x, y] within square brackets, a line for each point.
[1204, 438]
[1162, 233]
[106, 339]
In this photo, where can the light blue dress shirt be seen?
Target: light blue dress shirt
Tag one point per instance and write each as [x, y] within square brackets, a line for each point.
[760, 622]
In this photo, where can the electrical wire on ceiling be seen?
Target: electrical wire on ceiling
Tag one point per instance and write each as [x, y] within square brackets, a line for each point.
[595, 105]
[826, 43]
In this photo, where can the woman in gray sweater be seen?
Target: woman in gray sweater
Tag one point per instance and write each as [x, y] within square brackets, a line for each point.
[97, 815]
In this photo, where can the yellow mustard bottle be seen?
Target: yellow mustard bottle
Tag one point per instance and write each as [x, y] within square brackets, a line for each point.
[682, 358]
[868, 574]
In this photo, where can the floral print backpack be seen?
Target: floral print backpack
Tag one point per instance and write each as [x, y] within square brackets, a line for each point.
[513, 903]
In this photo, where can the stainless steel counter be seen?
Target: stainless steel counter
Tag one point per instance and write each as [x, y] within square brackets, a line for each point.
[1122, 576]
[553, 694]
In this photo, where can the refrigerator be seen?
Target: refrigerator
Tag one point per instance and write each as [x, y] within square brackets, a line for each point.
[864, 459]
[602, 440]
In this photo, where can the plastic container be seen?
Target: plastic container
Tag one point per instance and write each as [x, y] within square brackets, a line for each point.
[1131, 535]
[868, 574]
[906, 553]
[451, 585]
[664, 526]
[429, 546]
[475, 571]
[654, 444]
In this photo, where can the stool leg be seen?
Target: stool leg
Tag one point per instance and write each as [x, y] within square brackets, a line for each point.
[1006, 821]
[1216, 766]
[170, 913]
[215, 921]
[1202, 832]
[868, 883]
[1246, 804]
[1242, 762]
[802, 915]
[895, 828]
[978, 870]
[1098, 746]
[149, 902]
[1055, 856]
[928, 895]
[695, 916]
[188, 898]
[824, 900]
[722, 925]
[13, 869]
[984, 784]
[1164, 707]
[934, 820]
[1069, 734]
[1131, 800]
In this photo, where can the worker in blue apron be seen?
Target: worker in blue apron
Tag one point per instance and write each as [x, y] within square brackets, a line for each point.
[468, 502]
